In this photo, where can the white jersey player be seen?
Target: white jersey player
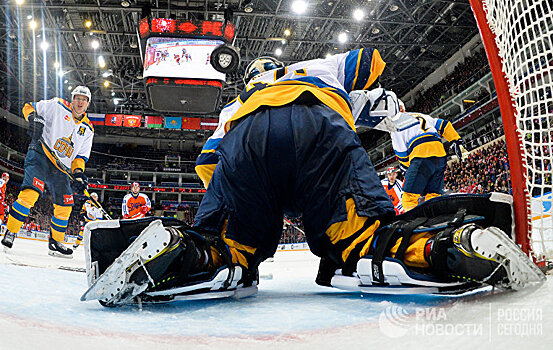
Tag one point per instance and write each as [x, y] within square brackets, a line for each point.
[89, 212]
[60, 132]
[135, 204]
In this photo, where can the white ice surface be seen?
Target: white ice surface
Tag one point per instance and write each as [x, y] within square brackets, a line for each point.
[40, 309]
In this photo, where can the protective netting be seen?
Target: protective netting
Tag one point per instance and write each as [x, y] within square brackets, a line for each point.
[524, 36]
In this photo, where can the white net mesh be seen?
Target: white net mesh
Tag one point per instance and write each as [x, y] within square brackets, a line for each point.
[524, 37]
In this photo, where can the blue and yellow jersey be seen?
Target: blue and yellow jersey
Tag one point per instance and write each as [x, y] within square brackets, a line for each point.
[326, 80]
[421, 137]
[68, 138]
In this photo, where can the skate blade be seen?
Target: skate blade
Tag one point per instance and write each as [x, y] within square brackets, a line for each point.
[60, 255]
[492, 243]
[112, 286]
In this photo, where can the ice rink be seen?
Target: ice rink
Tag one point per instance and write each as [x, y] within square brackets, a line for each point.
[40, 309]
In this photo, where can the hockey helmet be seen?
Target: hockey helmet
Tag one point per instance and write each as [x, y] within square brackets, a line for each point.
[94, 195]
[81, 90]
[261, 65]
[6, 175]
[391, 169]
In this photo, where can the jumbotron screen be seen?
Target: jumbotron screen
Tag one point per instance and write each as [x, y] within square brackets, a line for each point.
[180, 58]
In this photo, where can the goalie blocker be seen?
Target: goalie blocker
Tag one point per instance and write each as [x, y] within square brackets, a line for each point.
[163, 259]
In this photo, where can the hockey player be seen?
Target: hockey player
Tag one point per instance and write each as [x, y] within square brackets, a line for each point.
[135, 204]
[287, 145]
[416, 139]
[3, 185]
[89, 212]
[393, 188]
[62, 128]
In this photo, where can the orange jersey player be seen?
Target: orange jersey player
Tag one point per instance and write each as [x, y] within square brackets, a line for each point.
[135, 204]
[3, 182]
[394, 188]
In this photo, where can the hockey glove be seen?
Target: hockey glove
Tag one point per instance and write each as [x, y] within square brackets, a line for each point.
[125, 216]
[459, 150]
[36, 125]
[81, 182]
[144, 209]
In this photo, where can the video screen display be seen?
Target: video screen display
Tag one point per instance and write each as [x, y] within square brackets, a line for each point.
[180, 58]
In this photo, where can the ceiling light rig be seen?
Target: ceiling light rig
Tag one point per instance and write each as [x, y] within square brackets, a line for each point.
[299, 6]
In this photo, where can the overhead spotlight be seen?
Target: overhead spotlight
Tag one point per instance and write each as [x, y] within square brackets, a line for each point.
[88, 23]
[115, 101]
[29, 16]
[19, 2]
[107, 73]
[375, 31]
[287, 32]
[60, 73]
[66, 81]
[278, 51]
[283, 42]
[33, 25]
[248, 8]
[56, 64]
[299, 6]
[106, 83]
[44, 45]
[125, 3]
[394, 8]
[342, 38]
[358, 15]
[133, 45]
[70, 87]
[101, 61]
[328, 55]
[113, 93]
[95, 44]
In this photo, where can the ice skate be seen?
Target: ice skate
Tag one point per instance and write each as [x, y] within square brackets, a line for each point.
[57, 249]
[8, 239]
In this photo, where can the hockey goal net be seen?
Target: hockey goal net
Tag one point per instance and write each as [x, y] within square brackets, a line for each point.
[518, 38]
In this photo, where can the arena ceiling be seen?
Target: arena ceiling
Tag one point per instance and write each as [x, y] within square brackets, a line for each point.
[414, 37]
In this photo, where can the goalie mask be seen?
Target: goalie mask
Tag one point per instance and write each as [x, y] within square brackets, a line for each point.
[261, 65]
[375, 109]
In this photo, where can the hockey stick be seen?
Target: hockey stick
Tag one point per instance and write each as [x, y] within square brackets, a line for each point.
[294, 225]
[68, 172]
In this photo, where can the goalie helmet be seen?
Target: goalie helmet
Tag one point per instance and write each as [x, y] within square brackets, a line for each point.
[261, 65]
[81, 90]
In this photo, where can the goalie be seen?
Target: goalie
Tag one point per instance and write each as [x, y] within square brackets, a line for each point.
[288, 145]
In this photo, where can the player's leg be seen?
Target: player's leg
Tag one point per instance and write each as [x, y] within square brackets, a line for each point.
[36, 173]
[435, 186]
[62, 196]
[79, 237]
[416, 179]
[450, 240]
[238, 224]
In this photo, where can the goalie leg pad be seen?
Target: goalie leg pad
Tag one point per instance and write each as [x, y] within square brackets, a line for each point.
[128, 275]
[482, 255]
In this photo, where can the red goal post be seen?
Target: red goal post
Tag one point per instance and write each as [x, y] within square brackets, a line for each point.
[518, 39]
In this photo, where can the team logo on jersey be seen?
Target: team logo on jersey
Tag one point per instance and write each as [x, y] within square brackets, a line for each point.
[67, 199]
[81, 131]
[38, 184]
[64, 146]
[66, 117]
